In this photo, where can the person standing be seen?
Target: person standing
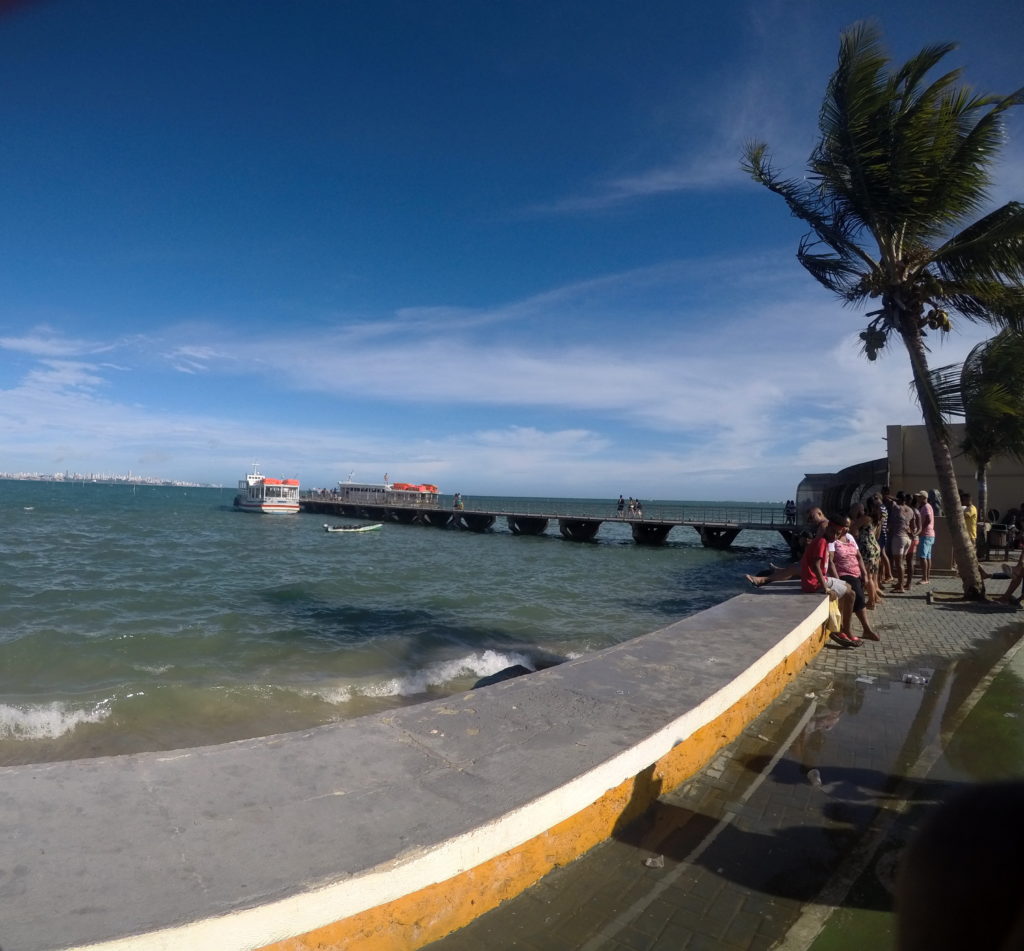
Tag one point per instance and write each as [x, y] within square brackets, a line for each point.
[901, 522]
[927, 539]
[863, 527]
[970, 516]
[885, 501]
[850, 567]
[914, 504]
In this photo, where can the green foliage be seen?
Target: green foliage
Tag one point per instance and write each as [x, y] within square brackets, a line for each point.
[900, 164]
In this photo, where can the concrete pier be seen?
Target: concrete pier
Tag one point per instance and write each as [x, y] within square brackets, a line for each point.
[390, 831]
[715, 527]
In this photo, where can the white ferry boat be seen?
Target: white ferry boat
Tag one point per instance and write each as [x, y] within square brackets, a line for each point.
[258, 493]
[386, 493]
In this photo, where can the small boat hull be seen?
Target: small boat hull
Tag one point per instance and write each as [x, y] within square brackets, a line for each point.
[351, 529]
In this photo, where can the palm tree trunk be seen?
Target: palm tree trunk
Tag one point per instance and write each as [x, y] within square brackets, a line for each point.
[963, 551]
[982, 477]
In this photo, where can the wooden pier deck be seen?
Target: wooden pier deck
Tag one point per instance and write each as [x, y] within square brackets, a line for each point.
[716, 527]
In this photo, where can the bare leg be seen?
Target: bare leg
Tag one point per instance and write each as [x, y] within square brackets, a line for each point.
[1015, 579]
[884, 568]
[898, 566]
[780, 574]
[846, 608]
[869, 588]
[867, 631]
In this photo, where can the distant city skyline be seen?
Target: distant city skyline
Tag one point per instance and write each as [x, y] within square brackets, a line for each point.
[134, 479]
[501, 248]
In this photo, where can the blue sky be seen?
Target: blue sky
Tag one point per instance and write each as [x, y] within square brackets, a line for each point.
[504, 247]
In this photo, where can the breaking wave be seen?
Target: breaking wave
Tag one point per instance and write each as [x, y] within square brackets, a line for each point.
[46, 721]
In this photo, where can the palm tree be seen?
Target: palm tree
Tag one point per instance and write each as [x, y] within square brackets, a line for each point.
[987, 390]
[899, 167]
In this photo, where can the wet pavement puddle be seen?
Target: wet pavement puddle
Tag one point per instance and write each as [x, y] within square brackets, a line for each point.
[805, 813]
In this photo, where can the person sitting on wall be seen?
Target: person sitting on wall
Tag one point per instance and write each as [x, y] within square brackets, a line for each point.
[1016, 577]
[816, 524]
[814, 579]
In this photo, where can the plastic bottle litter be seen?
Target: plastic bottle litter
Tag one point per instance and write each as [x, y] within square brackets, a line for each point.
[814, 778]
[911, 678]
[658, 861]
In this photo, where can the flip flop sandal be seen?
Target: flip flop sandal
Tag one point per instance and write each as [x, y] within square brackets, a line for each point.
[843, 640]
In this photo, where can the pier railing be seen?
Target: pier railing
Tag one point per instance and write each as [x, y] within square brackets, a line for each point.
[770, 516]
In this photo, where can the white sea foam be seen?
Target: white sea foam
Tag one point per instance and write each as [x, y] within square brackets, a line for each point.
[335, 695]
[46, 721]
[479, 664]
[411, 683]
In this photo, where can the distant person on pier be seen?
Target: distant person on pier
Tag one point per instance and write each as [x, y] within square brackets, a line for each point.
[620, 505]
[790, 512]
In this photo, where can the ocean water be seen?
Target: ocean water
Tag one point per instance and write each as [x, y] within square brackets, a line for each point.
[149, 617]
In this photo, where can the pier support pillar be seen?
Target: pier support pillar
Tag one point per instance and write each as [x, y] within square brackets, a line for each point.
[648, 533]
[436, 518]
[792, 537]
[716, 537]
[525, 525]
[475, 523]
[578, 529]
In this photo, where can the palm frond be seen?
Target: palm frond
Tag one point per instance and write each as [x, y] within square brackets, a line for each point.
[945, 385]
[991, 248]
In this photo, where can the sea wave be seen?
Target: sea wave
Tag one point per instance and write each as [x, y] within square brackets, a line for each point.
[46, 721]
[414, 682]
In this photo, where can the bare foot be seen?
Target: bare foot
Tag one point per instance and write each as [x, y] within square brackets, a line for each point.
[755, 580]
[870, 635]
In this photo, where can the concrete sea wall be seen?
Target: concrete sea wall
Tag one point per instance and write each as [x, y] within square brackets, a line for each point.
[390, 831]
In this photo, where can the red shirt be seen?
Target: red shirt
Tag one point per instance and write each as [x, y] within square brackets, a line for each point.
[816, 552]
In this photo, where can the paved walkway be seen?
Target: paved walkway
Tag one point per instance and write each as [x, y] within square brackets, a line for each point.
[806, 812]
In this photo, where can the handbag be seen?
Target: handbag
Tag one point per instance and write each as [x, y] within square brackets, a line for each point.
[834, 622]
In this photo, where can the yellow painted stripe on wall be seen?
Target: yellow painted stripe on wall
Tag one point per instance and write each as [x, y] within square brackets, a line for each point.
[415, 920]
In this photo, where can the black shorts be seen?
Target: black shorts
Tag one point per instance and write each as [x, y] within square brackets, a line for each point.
[858, 590]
